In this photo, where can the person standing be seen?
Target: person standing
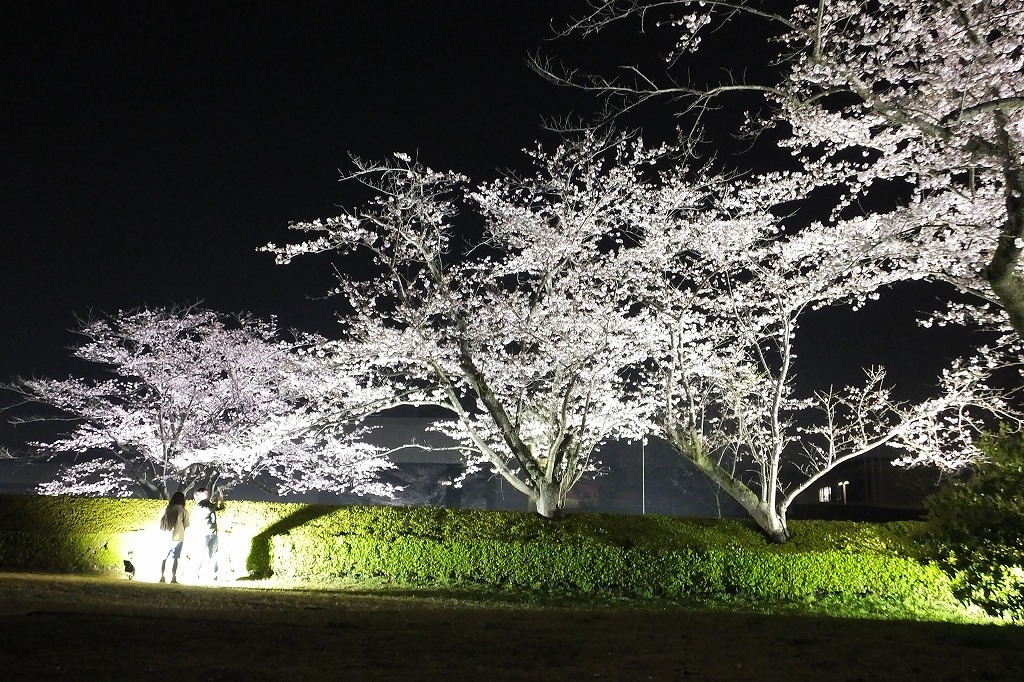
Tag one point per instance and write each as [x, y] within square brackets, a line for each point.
[174, 521]
[206, 510]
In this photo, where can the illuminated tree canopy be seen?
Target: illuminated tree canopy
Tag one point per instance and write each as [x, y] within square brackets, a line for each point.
[721, 385]
[520, 337]
[921, 101]
[190, 395]
[620, 292]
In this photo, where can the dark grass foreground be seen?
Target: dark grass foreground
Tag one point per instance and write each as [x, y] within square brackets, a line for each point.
[65, 627]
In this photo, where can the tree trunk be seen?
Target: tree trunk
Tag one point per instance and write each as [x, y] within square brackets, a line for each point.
[1002, 273]
[547, 500]
[772, 521]
[153, 490]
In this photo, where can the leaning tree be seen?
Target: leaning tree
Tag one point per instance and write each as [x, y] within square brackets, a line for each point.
[189, 395]
[728, 295]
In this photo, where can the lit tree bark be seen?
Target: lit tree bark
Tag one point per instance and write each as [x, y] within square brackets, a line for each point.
[1003, 271]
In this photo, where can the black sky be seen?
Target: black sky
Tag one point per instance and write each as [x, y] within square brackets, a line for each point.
[150, 147]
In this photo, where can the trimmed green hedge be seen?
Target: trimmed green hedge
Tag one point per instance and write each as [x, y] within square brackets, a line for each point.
[69, 535]
[652, 556]
[644, 556]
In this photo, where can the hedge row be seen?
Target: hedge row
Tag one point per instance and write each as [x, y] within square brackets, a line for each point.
[623, 555]
[693, 559]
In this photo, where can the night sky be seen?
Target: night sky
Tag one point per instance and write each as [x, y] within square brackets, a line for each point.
[149, 148]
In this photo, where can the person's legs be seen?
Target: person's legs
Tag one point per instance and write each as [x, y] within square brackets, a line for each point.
[208, 563]
[211, 553]
[201, 565]
[176, 554]
[163, 564]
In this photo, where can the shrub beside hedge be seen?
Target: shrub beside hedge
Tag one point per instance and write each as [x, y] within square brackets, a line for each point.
[616, 555]
[975, 528]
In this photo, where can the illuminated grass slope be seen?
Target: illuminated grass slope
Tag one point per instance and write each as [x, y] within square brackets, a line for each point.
[650, 556]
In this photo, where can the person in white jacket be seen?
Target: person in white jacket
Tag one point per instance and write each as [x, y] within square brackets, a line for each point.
[206, 510]
[174, 521]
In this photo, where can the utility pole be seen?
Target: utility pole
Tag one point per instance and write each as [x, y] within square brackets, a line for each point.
[643, 475]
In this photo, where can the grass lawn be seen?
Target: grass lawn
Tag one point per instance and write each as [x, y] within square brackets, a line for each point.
[102, 628]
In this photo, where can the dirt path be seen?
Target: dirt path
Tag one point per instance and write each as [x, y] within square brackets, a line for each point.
[62, 627]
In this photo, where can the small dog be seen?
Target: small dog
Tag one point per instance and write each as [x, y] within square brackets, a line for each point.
[129, 569]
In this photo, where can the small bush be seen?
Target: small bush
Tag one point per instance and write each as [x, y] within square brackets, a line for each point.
[975, 528]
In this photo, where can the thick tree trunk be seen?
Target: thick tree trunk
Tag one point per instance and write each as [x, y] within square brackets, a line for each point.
[154, 490]
[771, 521]
[547, 500]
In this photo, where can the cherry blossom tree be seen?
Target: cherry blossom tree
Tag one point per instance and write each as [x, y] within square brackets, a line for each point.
[910, 116]
[721, 388]
[187, 396]
[520, 337]
[911, 110]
